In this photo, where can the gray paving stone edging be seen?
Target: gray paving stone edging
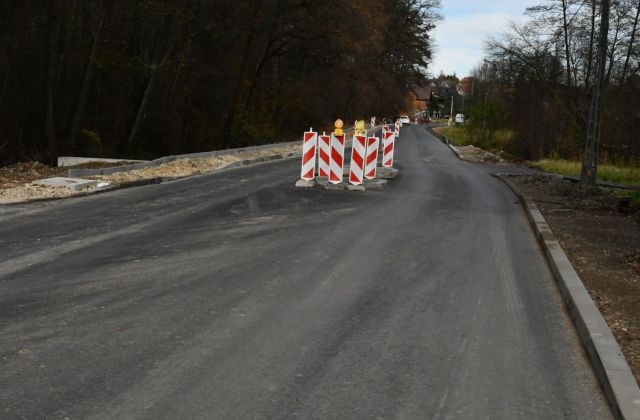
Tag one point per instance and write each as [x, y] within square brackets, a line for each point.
[166, 159]
[160, 180]
[607, 359]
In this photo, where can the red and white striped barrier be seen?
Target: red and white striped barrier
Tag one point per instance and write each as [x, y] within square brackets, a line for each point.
[397, 130]
[337, 159]
[388, 147]
[385, 129]
[371, 163]
[358, 153]
[324, 156]
[309, 156]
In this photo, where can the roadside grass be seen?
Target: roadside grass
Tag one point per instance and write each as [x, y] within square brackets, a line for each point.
[629, 175]
[456, 135]
[461, 136]
[618, 174]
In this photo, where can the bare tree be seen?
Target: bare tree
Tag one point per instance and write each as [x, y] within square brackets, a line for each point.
[589, 174]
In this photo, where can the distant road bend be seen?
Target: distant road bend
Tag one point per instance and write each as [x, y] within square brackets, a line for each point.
[234, 295]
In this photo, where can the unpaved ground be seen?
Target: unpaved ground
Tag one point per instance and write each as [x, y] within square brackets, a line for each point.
[602, 240]
[15, 180]
[26, 172]
[477, 155]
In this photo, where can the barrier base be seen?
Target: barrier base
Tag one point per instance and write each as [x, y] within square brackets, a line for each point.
[336, 187]
[352, 187]
[375, 184]
[386, 173]
[301, 183]
[322, 182]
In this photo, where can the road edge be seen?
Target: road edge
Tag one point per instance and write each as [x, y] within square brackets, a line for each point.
[162, 180]
[157, 180]
[443, 139]
[606, 358]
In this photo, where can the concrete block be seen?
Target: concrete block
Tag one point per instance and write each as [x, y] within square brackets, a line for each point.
[322, 182]
[74, 184]
[336, 187]
[375, 184]
[351, 187]
[301, 183]
[386, 173]
[73, 160]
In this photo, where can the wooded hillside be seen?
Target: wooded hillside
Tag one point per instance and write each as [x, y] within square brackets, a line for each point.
[143, 79]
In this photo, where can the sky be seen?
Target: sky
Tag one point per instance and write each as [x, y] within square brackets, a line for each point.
[466, 25]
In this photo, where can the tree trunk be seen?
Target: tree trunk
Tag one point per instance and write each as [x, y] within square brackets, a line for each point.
[86, 83]
[613, 51]
[273, 24]
[238, 91]
[589, 173]
[566, 40]
[625, 67]
[587, 79]
[53, 29]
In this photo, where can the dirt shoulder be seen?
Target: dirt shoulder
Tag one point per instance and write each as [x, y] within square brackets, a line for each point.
[15, 180]
[601, 237]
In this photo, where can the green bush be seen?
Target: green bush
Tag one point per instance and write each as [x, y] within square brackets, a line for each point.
[485, 120]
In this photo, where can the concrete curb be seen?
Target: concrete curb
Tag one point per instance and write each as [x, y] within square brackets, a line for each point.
[455, 151]
[445, 141]
[161, 180]
[167, 159]
[607, 359]
[156, 180]
[75, 173]
[76, 160]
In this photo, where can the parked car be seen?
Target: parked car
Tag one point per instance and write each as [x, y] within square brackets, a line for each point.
[405, 119]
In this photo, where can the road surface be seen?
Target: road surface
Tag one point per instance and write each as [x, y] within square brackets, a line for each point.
[235, 296]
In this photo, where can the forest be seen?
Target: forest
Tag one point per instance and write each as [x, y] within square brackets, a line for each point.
[142, 79]
[537, 81]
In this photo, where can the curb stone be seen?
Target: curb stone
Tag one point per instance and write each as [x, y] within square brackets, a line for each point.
[167, 159]
[161, 180]
[605, 355]
[444, 139]
[156, 180]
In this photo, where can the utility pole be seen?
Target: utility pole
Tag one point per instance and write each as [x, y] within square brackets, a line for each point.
[451, 113]
[594, 128]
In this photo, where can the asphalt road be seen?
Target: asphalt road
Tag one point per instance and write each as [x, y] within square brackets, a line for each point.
[235, 296]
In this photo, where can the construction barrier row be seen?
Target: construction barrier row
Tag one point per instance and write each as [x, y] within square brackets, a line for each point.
[329, 151]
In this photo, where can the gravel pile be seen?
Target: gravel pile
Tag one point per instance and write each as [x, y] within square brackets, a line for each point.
[27, 192]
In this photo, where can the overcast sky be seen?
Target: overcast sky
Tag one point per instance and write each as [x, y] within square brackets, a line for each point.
[466, 24]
